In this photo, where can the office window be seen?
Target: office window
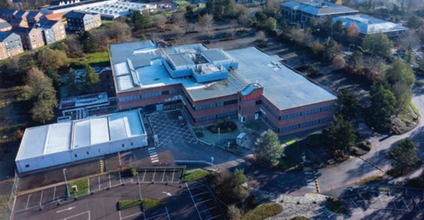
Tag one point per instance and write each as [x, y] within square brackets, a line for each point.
[26, 165]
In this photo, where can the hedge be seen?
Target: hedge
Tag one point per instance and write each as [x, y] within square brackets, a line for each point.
[263, 211]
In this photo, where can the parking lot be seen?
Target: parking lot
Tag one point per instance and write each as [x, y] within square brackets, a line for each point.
[166, 126]
[204, 202]
[180, 201]
[384, 203]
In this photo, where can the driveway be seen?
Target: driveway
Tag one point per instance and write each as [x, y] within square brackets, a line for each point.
[350, 171]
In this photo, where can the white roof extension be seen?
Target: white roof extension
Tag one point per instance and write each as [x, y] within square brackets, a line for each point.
[369, 25]
[59, 137]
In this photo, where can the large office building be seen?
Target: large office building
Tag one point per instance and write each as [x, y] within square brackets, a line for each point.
[367, 25]
[302, 11]
[61, 143]
[211, 84]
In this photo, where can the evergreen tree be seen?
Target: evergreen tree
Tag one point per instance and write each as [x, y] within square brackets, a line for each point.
[341, 134]
[347, 105]
[383, 106]
[268, 147]
[88, 42]
[404, 155]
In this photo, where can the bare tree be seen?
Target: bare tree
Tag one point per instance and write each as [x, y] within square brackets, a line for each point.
[207, 21]
[73, 48]
[376, 69]
[409, 41]
[159, 21]
[120, 31]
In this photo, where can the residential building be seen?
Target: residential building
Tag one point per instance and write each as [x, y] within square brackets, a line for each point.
[83, 21]
[4, 26]
[32, 38]
[53, 30]
[21, 15]
[18, 23]
[369, 25]
[57, 17]
[210, 84]
[301, 11]
[8, 14]
[33, 17]
[10, 45]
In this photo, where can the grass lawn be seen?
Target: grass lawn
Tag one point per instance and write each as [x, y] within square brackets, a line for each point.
[336, 206]
[4, 207]
[82, 186]
[200, 7]
[182, 4]
[150, 203]
[128, 203]
[106, 22]
[147, 203]
[93, 59]
[294, 146]
[195, 174]
[263, 211]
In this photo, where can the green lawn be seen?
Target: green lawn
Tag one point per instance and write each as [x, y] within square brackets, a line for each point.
[199, 7]
[371, 179]
[263, 211]
[94, 59]
[195, 174]
[182, 4]
[104, 22]
[128, 203]
[288, 164]
[4, 207]
[82, 186]
[252, 125]
[150, 203]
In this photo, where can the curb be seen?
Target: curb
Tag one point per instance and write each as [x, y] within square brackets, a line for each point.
[375, 166]
[316, 182]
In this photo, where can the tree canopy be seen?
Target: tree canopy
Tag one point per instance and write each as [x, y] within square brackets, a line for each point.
[347, 105]
[404, 154]
[88, 42]
[268, 147]
[401, 78]
[341, 134]
[141, 20]
[377, 44]
[39, 89]
[52, 58]
[383, 106]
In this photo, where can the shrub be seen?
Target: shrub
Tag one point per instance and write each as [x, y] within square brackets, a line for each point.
[128, 203]
[336, 206]
[371, 179]
[150, 203]
[233, 213]
[195, 174]
[133, 172]
[263, 211]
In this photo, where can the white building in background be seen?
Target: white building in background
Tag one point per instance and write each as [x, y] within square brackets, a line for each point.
[61, 143]
[108, 9]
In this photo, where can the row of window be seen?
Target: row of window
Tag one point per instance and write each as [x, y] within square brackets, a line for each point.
[213, 105]
[303, 125]
[307, 112]
[149, 95]
[211, 117]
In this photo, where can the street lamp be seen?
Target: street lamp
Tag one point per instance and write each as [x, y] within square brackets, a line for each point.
[66, 182]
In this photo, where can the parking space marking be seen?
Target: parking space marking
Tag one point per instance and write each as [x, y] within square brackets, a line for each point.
[195, 206]
[156, 216]
[54, 193]
[41, 197]
[29, 196]
[163, 177]
[73, 216]
[99, 182]
[204, 201]
[64, 210]
[129, 216]
[213, 217]
[198, 194]
[173, 173]
[144, 175]
[208, 209]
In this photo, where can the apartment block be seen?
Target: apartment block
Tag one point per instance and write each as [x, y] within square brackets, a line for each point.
[10, 45]
[82, 21]
[32, 38]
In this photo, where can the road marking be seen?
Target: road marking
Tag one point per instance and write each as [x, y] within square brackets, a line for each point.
[67, 209]
[29, 196]
[167, 193]
[41, 198]
[209, 209]
[173, 173]
[163, 175]
[144, 176]
[82, 213]
[54, 193]
[99, 182]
